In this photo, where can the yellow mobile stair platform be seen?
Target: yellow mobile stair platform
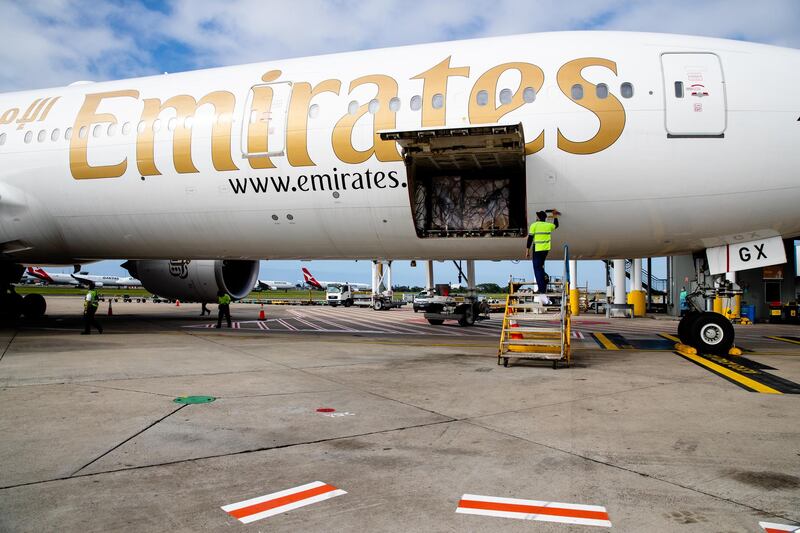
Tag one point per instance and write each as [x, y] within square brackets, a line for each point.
[528, 331]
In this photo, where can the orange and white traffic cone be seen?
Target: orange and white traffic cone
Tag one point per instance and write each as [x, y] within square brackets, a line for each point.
[110, 312]
[261, 314]
[513, 324]
[177, 303]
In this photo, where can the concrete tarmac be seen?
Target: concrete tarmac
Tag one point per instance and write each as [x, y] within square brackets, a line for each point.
[92, 439]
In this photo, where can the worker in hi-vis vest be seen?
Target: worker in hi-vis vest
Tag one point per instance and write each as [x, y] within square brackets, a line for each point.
[224, 308]
[539, 236]
[90, 304]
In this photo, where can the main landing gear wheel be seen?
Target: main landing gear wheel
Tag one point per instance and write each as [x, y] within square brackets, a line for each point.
[468, 318]
[10, 306]
[712, 333]
[33, 306]
[685, 327]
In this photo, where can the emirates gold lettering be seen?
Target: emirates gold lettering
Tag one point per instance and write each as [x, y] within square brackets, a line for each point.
[257, 117]
[609, 111]
[78, 146]
[186, 106]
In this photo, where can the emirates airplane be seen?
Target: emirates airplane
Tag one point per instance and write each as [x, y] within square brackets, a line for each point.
[648, 145]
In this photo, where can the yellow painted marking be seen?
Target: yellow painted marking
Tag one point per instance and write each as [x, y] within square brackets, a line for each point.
[784, 339]
[744, 380]
[669, 337]
[607, 344]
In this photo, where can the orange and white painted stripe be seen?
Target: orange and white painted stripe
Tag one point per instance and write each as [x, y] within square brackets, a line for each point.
[282, 501]
[770, 527]
[566, 513]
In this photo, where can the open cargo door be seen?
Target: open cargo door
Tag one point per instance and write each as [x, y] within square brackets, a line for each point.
[467, 181]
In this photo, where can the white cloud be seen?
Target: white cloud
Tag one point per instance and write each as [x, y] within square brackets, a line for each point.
[60, 41]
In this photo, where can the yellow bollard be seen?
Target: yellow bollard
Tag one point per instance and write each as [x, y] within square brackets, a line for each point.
[574, 301]
[637, 298]
[736, 306]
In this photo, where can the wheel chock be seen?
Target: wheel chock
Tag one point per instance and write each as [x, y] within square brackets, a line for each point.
[685, 349]
[735, 351]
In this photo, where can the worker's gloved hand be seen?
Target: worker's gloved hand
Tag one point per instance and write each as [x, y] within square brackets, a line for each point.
[555, 212]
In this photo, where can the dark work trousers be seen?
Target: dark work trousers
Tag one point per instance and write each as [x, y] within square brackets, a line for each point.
[538, 270]
[224, 310]
[89, 320]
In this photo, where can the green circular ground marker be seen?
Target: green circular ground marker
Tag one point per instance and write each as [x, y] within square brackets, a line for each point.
[194, 399]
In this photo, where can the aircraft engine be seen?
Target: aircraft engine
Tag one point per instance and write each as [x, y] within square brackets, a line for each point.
[195, 280]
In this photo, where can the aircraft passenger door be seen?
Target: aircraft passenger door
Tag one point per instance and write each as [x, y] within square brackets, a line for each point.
[265, 120]
[694, 90]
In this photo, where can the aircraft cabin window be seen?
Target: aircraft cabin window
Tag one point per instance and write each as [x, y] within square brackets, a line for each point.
[352, 107]
[505, 96]
[172, 123]
[482, 98]
[373, 106]
[678, 89]
[394, 104]
[577, 91]
[112, 130]
[626, 89]
[416, 103]
[96, 131]
[55, 135]
[68, 134]
[126, 128]
[157, 124]
[529, 95]
[2, 139]
[437, 101]
[28, 137]
[601, 91]
[313, 111]
[42, 136]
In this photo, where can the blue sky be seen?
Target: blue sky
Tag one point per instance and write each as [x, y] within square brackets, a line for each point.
[62, 41]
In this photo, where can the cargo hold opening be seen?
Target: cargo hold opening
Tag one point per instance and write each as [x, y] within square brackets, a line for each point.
[465, 182]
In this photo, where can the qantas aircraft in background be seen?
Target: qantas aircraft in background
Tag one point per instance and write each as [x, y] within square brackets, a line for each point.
[313, 282]
[648, 144]
[271, 285]
[82, 279]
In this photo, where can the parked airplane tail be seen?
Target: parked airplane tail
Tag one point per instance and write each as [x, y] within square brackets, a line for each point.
[309, 278]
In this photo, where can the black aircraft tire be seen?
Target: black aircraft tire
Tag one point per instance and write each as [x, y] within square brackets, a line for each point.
[712, 333]
[10, 306]
[685, 327]
[468, 318]
[33, 306]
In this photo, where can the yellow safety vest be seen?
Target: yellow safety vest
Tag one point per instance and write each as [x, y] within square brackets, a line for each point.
[224, 300]
[541, 235]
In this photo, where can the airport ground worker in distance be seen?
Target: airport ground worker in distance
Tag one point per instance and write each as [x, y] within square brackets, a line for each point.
[224, 308]
[539, 235]
[90, 304]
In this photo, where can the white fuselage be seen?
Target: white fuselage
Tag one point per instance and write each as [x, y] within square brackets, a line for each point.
[143, 182]
[272, 285]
